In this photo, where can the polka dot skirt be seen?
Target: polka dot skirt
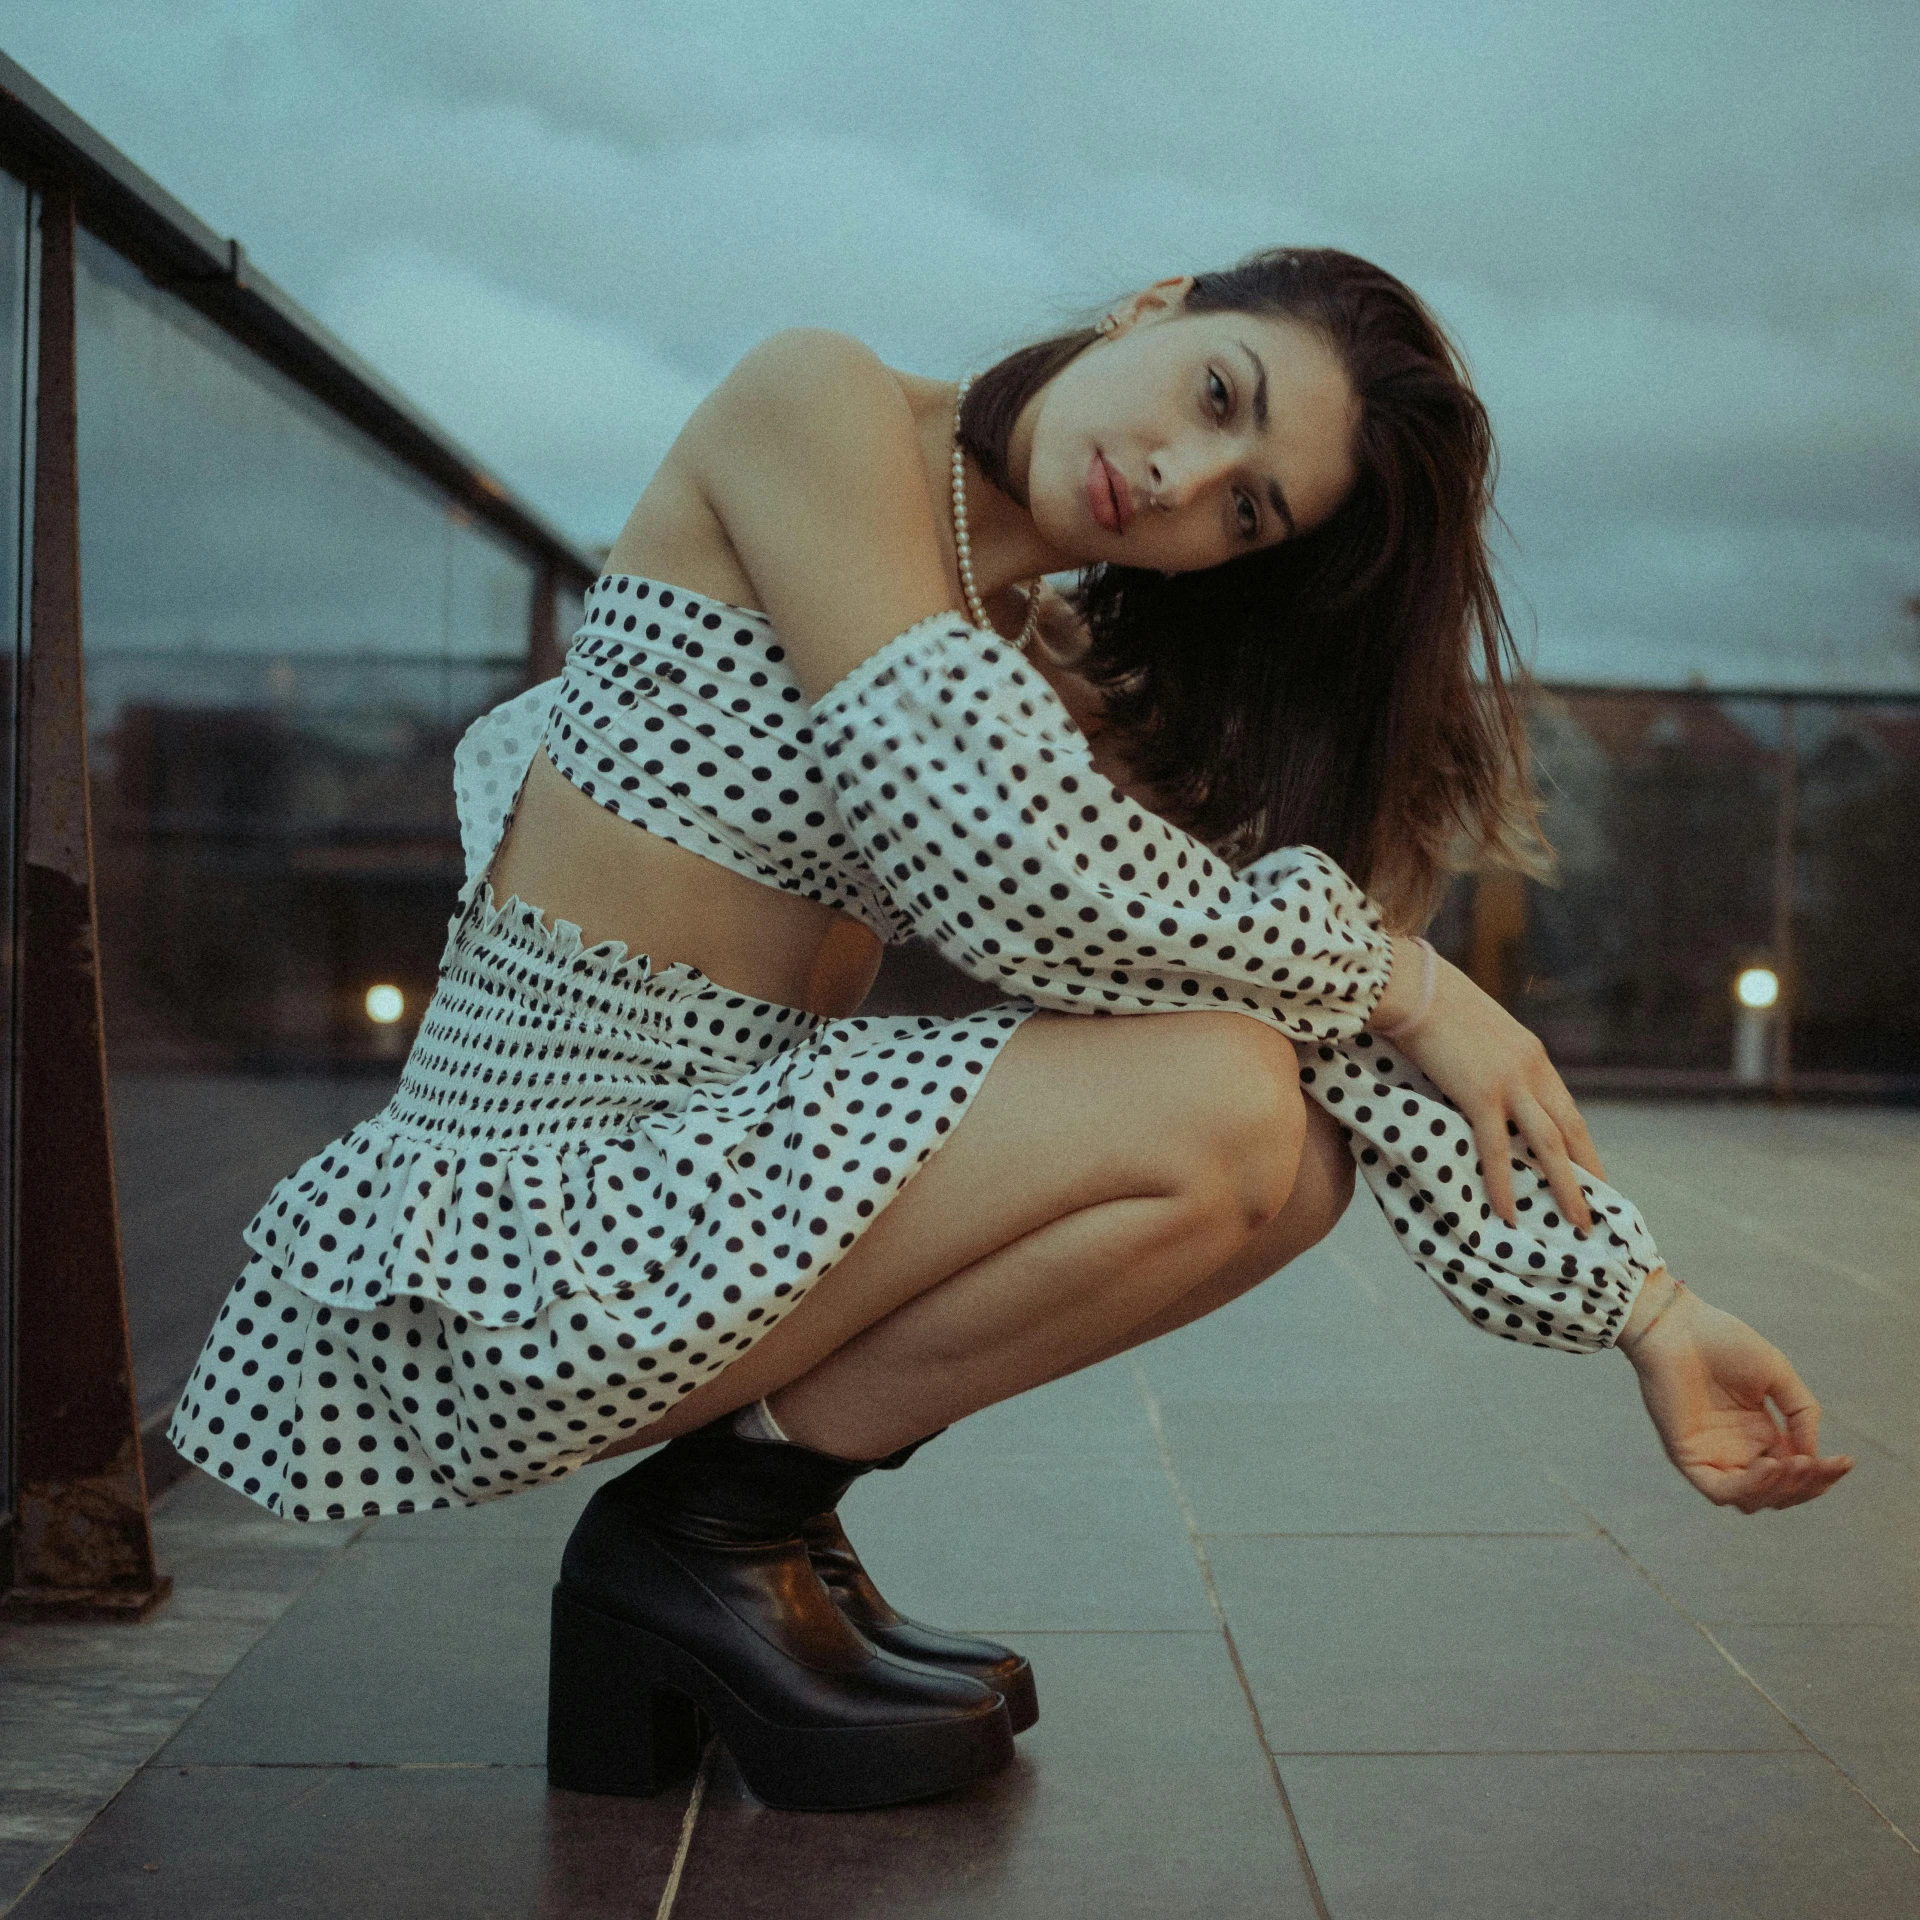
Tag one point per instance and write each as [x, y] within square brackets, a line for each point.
[597, 1184]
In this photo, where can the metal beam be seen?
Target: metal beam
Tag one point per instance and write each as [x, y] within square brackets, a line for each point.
[40, 137]
[84, 1543]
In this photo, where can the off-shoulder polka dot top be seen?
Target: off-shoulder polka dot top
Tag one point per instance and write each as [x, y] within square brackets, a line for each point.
[941, 789]
[680, 714]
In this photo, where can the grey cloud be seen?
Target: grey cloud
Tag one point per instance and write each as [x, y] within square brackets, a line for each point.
[1678, 241]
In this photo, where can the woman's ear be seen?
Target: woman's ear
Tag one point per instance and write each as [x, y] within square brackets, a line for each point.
[1158, 302]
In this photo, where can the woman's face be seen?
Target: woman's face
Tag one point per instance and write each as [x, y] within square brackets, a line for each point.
[1184, 439]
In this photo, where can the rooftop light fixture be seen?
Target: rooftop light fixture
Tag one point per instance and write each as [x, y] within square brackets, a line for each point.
[1756, 1013]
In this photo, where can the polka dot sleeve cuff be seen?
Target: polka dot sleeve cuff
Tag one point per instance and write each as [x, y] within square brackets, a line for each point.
[973, 797]
[1541, 1282]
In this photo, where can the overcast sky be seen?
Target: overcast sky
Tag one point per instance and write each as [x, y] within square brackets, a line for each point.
[1679, 241]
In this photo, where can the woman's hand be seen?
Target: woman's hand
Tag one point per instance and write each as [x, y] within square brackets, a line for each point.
[1496, 1072]
[1707, 1379]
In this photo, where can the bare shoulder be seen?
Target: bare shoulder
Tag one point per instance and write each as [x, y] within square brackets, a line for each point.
[807, 398]
[802, 369]
[811, 459]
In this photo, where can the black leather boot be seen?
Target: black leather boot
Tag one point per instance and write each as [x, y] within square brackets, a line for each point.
[686, 1595]
[853, 1591]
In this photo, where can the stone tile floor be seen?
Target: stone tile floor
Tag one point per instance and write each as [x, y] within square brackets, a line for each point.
[1338, 1608]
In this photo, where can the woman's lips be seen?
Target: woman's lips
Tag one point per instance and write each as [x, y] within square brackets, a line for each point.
[1109, 497]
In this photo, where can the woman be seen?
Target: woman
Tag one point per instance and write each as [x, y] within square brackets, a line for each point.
[686, 1198]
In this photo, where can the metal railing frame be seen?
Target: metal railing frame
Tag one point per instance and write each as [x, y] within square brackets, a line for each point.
[75, 1538]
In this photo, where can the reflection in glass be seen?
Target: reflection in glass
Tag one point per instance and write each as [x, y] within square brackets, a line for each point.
[1665, 809]
[286, 633]
[1662, 808]
[1855, 999]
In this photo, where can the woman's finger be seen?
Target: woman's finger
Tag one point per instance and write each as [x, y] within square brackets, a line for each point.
[1769, 1481]
[1798, 1407]
[1804, 1480]
[1550, 1152]
[1735, 1486]
[1573, 1129]
[1496, 1174]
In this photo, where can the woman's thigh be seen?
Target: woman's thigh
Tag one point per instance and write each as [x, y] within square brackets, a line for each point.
[1073, 1113]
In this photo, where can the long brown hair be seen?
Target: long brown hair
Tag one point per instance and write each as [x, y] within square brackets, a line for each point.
[1357, 688]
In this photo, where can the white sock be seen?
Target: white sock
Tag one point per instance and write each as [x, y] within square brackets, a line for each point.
[757, 1423]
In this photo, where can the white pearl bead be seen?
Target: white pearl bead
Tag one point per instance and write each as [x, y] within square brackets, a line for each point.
[963, 545]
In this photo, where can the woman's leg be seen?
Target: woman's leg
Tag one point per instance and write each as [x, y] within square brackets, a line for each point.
[1105, 1171]
[1320, 1196]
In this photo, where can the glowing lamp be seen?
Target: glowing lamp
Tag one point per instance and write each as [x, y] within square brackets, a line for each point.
[386, 1004]
[1757, 987]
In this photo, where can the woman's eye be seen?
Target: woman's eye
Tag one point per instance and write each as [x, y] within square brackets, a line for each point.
[1247, 515]
[1219, 397]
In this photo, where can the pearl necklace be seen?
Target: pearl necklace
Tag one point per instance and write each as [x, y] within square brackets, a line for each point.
[963, 546]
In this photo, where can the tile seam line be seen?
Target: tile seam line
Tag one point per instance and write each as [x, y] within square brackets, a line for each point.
[152, 1758]
[66, 1846]
[1406, 1533]
[1198, 1546]
[1887, 1292]
[689, 1821]
[343, 1766]
[1853, 1785]
[1470, 1388]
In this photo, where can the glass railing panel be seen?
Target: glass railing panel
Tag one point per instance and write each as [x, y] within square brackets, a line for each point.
[1662, 809]
[287, 631]
[14, 213]
[1855, 987]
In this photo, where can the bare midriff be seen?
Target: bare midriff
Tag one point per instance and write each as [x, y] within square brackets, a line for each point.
[571, 858]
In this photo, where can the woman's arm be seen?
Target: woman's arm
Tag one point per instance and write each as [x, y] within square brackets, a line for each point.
[1493, 1068]
[973, 798]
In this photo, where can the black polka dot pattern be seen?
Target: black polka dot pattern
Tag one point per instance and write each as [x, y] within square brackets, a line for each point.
[597, 1184]
[972, 794]
[681, 715]
[1542, 1282]
[600, 1181]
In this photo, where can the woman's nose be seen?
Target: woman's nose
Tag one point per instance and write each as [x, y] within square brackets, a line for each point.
[1176, 479]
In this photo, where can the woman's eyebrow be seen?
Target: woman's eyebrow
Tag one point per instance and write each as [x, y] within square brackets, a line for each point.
[1278, 502]
[1259, 386]
[1275, 498]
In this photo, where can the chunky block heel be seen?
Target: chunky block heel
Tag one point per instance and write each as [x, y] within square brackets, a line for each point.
[622, 1718]
[611, 1727]
[686, 1586]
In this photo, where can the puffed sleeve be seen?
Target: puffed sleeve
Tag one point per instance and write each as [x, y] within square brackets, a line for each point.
[974, 799]
[1542, 1282]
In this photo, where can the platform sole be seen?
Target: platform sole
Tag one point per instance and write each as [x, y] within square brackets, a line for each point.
[627, 1713]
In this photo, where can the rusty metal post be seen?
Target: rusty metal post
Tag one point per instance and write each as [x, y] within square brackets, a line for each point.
[84, 1546]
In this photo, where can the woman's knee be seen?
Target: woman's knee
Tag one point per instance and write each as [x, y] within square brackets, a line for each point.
[1237, 1111]
[1323, 1188]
